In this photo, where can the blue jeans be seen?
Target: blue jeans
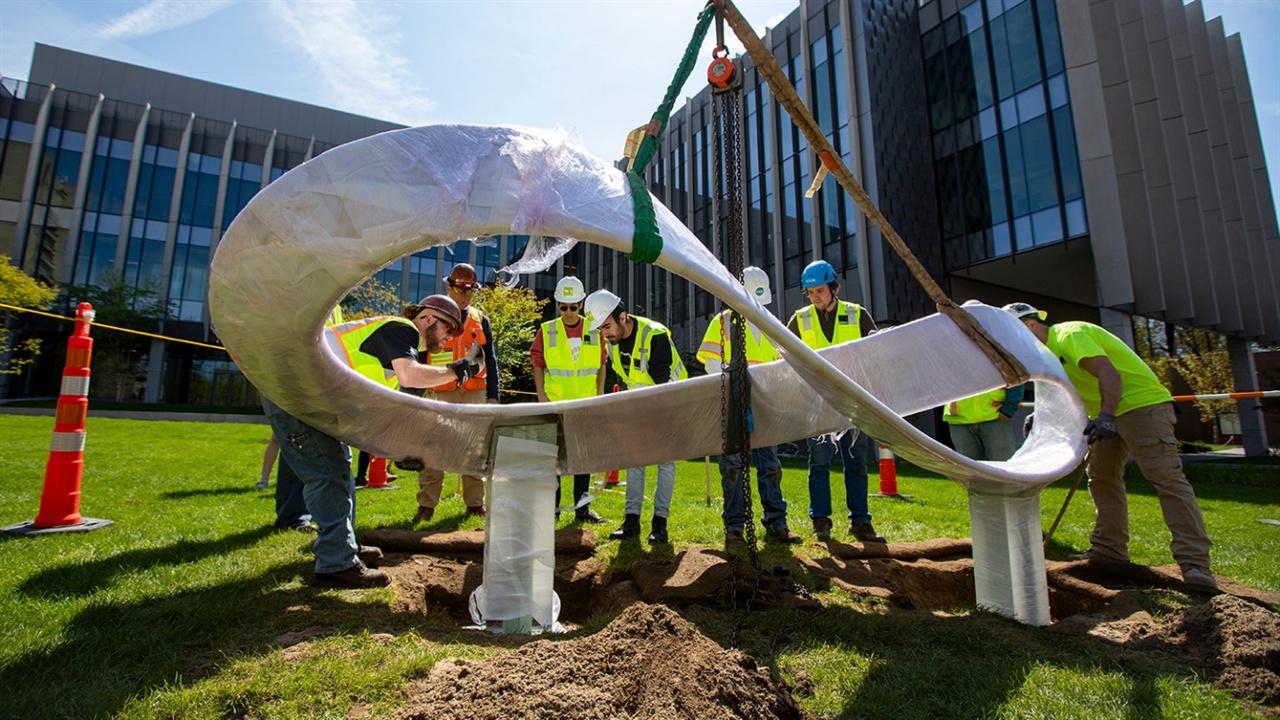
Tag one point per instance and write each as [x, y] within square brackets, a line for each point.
[324, 466]
[768, 481]
[853, 447]
[291, 508]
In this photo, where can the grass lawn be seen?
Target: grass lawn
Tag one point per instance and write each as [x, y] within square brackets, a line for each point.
[170, 612]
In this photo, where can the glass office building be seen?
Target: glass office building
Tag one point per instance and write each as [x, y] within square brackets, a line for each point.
[1100, 159]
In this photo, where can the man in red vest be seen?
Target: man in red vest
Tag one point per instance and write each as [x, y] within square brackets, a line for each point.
[480, 389]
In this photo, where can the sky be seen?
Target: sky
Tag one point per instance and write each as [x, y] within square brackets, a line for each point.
[595, 68]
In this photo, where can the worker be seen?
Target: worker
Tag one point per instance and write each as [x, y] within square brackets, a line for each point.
[462, 283]
[980, 425]
[828, 321]
[1129, 412]
[384, 350]
[714, 353]
[642, 353]
[569, 364]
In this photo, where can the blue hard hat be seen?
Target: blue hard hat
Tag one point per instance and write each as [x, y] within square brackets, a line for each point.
[818, 273]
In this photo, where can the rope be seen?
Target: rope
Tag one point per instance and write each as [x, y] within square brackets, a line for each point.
[113, 327]
[646, 241]
[1011, 369]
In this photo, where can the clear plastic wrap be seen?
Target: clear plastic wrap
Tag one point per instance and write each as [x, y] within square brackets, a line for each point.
[327, 225]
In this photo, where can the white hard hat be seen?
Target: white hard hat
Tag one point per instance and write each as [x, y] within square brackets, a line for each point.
[1021, 310]
[570, 290]
[599, 305]
[757, 283]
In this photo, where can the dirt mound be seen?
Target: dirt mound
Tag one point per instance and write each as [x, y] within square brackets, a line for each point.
[647, 663]
[1233, 641]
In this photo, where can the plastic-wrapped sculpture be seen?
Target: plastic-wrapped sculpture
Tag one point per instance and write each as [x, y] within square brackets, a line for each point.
[327, 225]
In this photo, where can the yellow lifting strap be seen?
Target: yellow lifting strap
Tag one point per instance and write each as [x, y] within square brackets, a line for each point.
[1011, 369]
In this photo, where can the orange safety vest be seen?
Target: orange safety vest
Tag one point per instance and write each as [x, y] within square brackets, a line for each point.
[456, 349]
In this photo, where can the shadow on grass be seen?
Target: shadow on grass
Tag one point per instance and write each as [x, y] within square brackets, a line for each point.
[211, 492]
[89, 577]
[112, 652]
[906, 653]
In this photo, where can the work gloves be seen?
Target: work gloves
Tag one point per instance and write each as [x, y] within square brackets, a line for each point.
[469, 365]
[1104, 428]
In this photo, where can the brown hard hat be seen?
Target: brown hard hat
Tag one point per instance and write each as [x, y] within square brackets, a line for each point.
[463, 276]
[441, 306]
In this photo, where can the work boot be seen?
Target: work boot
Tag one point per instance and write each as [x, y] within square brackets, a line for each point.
[369, 555]
[362, 481]
[476, 510]
[863, 532]
[630, 528]
[658, 534]
[783, 535]
[424, 515]
[734, 537]
[821, 529]
[590, 517]
[1199, 580]
[357, 576]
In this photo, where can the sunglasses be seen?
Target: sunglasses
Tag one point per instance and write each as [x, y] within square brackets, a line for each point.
[570, 308]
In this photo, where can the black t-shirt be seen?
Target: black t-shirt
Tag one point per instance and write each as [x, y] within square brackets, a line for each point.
[391, 341]
[659, 356]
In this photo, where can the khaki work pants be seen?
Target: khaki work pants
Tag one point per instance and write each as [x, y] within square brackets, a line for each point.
[431, 481]
[1147, 433]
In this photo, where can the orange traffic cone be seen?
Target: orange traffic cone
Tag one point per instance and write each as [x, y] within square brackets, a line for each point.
[378, 478]
[888, 474]
[60, 500]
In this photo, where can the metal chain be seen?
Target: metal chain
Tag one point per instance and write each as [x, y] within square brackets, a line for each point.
[727, 144]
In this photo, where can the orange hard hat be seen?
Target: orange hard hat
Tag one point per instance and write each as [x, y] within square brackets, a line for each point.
[441, 306]
[463, 276]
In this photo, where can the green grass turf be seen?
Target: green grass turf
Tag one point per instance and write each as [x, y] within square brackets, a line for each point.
[170, 611]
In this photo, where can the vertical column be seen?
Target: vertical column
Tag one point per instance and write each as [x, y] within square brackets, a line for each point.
[1253, 428]
[67, 268]
[1008, 558]
[27, 205]
[519, 547]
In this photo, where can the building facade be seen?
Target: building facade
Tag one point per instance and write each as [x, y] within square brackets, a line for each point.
[1099, 159]
[108, 167]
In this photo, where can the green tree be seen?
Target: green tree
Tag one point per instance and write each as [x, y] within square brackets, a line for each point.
[371, 298]
[19, 290]
[513, 314]
[118, 356]
[1202, 359]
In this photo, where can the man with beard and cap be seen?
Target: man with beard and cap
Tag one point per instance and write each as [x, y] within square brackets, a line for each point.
[385, 350]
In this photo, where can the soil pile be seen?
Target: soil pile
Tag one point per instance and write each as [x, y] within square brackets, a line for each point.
[647, 663]
[1234, 642]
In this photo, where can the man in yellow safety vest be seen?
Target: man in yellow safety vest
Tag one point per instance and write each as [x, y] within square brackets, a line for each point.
[384, 350]
[569, 364]
[462, 283]
[1130, 412]
[641, 353]
[828, 321]
[714, 353]
[980, 427]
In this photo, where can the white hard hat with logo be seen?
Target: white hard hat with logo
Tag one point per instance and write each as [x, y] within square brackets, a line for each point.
[756, 281]
[1021, 310]
[570, 290]
[598, 307]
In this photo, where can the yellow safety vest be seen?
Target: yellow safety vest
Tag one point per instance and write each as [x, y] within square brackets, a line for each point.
[848, 325]
[716, 345]
[456, 349]
[564, 377]
[647, 331]
[345, 341]
[974, 410]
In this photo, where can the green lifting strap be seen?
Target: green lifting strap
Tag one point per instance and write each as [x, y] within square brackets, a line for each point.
[646, 242]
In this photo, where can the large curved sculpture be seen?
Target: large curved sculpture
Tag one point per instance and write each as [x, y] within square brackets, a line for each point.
[327, 225]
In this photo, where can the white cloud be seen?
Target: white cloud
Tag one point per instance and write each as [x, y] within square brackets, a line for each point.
[160, 15]
[352, 45]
